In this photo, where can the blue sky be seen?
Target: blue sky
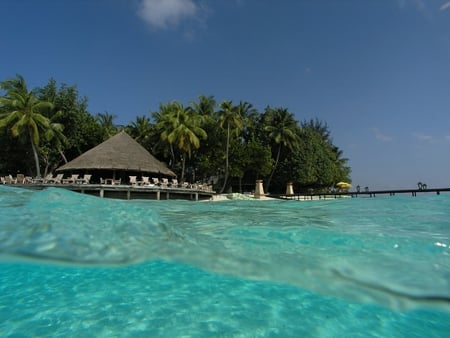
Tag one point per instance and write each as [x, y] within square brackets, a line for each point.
[377, 71]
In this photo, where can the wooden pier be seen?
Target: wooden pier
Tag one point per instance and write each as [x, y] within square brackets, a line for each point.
[354, 194]
[128, 192]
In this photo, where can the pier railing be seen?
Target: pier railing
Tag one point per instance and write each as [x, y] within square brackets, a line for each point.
[194, 193]
[341, 194]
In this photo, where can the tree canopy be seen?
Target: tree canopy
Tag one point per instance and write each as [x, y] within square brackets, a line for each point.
[226, 144]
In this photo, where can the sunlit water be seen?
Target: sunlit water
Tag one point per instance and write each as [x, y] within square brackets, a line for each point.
[73, 265]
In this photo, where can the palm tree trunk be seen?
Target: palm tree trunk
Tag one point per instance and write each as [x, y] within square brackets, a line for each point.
[274, 168]
[36, 159]
[226, 161]
[172, 153]
[183, 160]
[62, 155]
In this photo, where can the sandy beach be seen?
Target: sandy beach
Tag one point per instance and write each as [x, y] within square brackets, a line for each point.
[238, 196]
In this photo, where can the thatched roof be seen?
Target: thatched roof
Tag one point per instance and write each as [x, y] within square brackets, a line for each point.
[120, 152]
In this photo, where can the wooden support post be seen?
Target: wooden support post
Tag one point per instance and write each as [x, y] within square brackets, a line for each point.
[289, 188]
[259, 190]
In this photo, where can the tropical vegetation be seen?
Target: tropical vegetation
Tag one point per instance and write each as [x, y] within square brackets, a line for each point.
[226, 144]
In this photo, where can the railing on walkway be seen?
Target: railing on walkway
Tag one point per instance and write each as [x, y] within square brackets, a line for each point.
[194, 192]
[311, 196]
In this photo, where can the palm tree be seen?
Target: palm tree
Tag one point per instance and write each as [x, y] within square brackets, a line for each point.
[204, 107]
[341, 167]
[165, 120]
[56, 140]
[56, 136]
[106, 121]
[230, 117]
[282, 130]
[141, 130]
[183, 129]
[23, 114]
[249, 116]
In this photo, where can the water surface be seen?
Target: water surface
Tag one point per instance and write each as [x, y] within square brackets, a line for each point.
[251, 268]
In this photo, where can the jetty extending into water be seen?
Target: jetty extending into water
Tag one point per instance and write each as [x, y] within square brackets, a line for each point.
[341, 194]
[128, 192]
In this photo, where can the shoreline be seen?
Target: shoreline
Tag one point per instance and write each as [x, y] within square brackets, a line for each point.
[239, 197]
[251, 197]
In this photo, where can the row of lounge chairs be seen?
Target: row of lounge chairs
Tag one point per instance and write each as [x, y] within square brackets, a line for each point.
[19, 179]
[165, 183]
[72, 179]
[144, 181]
[49, 179]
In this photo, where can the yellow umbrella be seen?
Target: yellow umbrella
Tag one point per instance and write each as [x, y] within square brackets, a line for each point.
[343, 185]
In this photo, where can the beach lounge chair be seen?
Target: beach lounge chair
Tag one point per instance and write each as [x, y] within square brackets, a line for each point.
[86, 179]
[156, 181]
[42, 179]
[111, 181]
[174, 183]
[133, 180]
[20, 179]
[71, 179]
[144, 181]
[58, 179]
[164, 182]
[10, 180]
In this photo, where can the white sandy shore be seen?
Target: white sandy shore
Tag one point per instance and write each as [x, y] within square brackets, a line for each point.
[237, 196]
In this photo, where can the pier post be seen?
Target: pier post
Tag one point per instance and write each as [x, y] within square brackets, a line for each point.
[259, 190]
[289, 189]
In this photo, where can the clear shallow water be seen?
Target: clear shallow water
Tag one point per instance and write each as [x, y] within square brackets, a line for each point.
[351, 267]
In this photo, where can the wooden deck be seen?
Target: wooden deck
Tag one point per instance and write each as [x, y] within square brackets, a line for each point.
[412, 192]
[128, 192]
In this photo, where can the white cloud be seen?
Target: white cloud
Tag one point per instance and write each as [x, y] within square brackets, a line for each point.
[165, 14]
[422, 6]
[418, 4]
[381, 136]
[445, 6]
[423, 137]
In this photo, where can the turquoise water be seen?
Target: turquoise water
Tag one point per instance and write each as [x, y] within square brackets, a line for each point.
[74, 265]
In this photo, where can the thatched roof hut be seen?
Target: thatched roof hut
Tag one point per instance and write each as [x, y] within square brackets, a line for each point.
[119, 153]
